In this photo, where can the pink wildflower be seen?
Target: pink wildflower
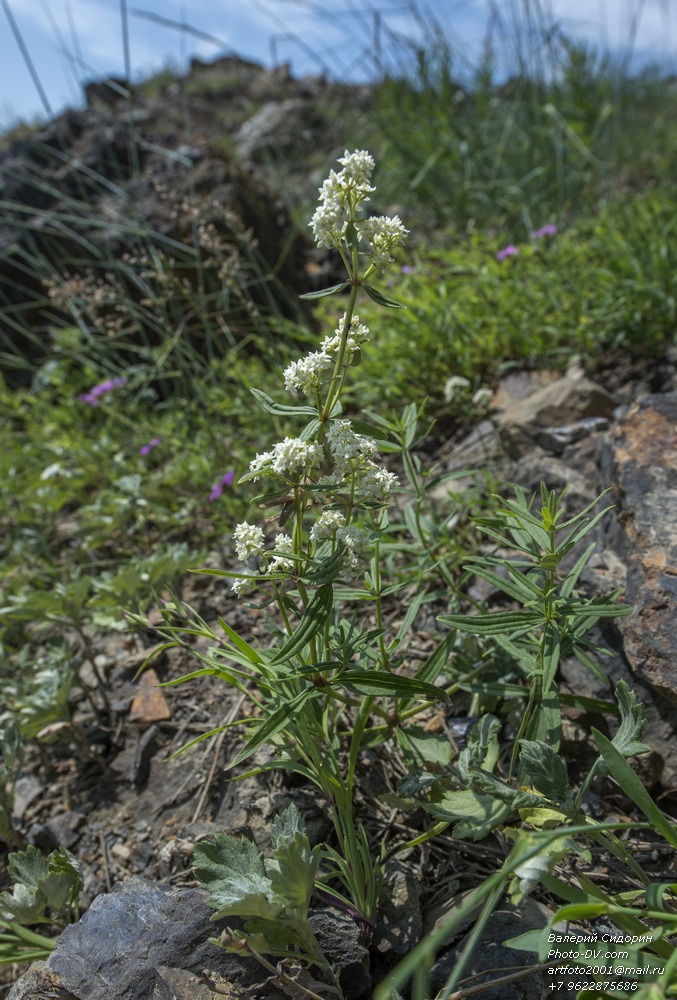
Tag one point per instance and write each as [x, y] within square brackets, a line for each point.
[509, 251]
[147, 448]
[92, 397]
[549, 230]
[226, 480]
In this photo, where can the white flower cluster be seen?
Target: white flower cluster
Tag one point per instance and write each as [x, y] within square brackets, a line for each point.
[248, 540]
[327, 525]
[354, 548]
[456, 388]
[382, 233]
[357, 335]
[243, 586]
[348, 449]
[340, 195]
[283, 547]
[287, 457]
[306, 375]
[353, 456]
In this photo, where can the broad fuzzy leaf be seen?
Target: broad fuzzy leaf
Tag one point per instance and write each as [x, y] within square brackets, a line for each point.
[529, 872]
[545, 770]
[42, 886]
[421, 748]
[232, 871]
[633, 718]
[292, 872]
[475, 815]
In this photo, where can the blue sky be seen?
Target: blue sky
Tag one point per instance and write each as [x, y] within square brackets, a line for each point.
[73, 40]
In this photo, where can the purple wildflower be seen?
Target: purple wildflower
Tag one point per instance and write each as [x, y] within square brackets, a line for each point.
[147, 448]
[549, 230]
[92, 397]
[509, 251]
[217, 489]
[406, 269]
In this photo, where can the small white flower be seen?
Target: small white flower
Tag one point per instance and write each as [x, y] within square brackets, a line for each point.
[261, 463]
[327, 525]
[358, 335]
[382, 233]
[357, 167]
[456, 387]
[243, 586]
[283, 546]
[294, 455]
[482, 398]
[248, 540]
[354, 549]
[348, 449]
[339, 196]
[376, 484]
[305, 375]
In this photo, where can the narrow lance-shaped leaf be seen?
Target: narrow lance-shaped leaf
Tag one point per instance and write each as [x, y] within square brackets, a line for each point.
[272, 725]
[325, 291]
[493, 624]
[282, 409]
[312, 620]
[382, 299]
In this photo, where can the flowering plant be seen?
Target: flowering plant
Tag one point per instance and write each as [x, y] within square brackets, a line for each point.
[329, 682]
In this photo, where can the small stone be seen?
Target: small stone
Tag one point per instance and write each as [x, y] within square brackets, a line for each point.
[120, 851]
[150, 704]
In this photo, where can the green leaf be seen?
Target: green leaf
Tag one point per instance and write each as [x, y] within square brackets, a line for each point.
[421, 748]
[619, 769]
[64, 882]
[281, 409]
[294, 867]
[250, 654]
[494, 624]
[475, 815]
[656, 894]
[232, 871]
[382, 299]
[626, 739]
[312, 620]
[41, 884]
[520, 587]
[545, 770]
[325, 291]
[324, 570]
[391, 685]
[272, 725]
[551, 655]
[529, 873]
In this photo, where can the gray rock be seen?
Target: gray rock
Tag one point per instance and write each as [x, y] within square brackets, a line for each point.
[555, 414]
[400, 924]
[492, 959]
[39, 981]
[128, 935]
[339, 938]
[645, 465]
